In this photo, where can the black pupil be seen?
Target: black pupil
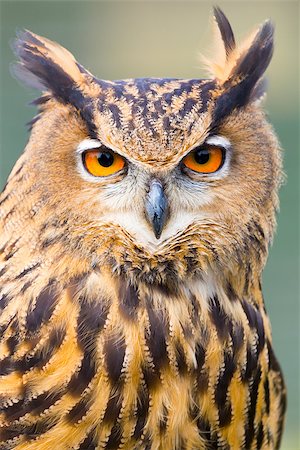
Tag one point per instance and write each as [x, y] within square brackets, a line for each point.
[202, 155]
[105, 159]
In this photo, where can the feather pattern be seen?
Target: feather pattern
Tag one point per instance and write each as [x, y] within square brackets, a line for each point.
[111, 338]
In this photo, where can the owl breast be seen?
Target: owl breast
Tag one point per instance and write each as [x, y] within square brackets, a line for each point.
[139, 367]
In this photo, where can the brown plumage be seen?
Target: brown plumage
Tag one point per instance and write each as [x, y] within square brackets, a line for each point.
[132, 314]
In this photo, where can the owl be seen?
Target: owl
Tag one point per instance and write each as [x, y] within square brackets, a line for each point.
[134, 231]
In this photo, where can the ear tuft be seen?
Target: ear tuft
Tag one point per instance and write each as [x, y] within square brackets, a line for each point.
[257, 47]
[224, 48]
[225, 31]
[45, 65]
[240, 75]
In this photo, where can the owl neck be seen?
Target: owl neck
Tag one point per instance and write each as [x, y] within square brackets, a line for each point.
[194, 298]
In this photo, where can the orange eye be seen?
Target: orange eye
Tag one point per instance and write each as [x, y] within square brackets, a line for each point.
[102, 163]
[206, 159]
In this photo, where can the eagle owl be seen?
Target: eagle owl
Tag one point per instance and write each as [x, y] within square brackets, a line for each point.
[134, 231]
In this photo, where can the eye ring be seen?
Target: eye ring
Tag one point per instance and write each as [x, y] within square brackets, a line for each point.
[205, 159]
[102, 162]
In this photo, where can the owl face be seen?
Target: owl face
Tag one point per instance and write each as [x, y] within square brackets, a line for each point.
[156, 175]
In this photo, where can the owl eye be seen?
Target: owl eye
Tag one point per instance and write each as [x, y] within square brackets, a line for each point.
[102, 162]
[205, 159]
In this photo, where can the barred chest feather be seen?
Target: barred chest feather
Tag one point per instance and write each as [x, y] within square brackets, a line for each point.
[103, 364]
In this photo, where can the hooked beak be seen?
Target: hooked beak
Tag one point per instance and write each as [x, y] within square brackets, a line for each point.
[156, 207]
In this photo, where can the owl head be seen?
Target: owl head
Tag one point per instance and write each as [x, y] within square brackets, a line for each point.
[161, 179]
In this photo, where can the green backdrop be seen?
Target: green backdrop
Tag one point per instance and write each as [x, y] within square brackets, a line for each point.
[164, 38]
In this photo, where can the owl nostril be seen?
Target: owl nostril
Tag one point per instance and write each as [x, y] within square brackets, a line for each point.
[156, 206]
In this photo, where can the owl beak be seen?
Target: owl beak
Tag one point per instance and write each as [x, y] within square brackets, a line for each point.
[156, 207]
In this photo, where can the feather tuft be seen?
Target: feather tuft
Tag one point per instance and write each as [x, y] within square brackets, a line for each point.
[45, 65]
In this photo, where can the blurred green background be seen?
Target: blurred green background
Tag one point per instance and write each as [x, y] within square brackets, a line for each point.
[121, 39]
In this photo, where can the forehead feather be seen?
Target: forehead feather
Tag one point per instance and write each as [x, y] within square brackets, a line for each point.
[150, 118]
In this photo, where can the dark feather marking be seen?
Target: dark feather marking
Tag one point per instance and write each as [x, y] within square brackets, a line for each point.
[113, 407]
[12, 343]
[52, 240]
[219, 318]
[225, 30]
[256, 322]
[251, 365]
[26, 271]
[250, 313]
[11, 250]
[115, 436]
[225, 414]
[260, 331]
[248, 275]
[188, 106]
[33, 121]
[79, 410]
[273, 363]
[147, 441]
[89, 442]
[29, 432]
[278, 388]
[19, 171]
[231, 294]
[261, 232]
[151, 377]
[195, 306]
[224, 406]
[202, 381]
[249, 432]
[35, 406]
[180, 359]
[142, 412]
[200, 355]
[116, 114]
[4, 198]
[114, 350]
[27, 285]
[209, 437]
[44, 354]
[267, 394]
[40, 100]
[4, 300]
[91, 320]
[156, 340]
[128, 298]
[170, 288]
[7, 366]
[80, 380]
[44, 401]
[237, 336]
[9, 433]
[43, 308]
[259, 436]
